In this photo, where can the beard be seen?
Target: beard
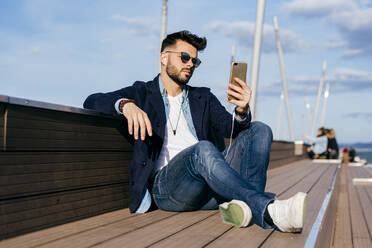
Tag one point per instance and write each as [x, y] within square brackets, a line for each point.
[176, 75]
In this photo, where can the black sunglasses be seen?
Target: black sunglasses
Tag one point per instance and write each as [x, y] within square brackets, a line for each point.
[185, 57]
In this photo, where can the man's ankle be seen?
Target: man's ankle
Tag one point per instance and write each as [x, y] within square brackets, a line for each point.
[267, 217]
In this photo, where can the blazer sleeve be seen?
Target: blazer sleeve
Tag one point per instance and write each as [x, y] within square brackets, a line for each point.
[221, 120]
[105, 102]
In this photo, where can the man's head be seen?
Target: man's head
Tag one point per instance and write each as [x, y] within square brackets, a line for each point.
[179, 55]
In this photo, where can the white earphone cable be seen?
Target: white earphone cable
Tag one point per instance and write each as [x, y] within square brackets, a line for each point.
[232, 130]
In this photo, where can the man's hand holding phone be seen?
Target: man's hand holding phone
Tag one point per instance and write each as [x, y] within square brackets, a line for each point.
[239, 94]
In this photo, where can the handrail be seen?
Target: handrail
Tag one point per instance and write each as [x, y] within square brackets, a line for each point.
[51, 106]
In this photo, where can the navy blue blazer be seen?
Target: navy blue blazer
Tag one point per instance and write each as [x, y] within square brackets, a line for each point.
[211, 121]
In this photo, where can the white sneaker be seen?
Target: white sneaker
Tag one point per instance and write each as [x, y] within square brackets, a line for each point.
[288, 215]
[236, 213]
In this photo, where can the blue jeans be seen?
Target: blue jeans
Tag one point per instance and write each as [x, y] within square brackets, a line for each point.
[201, 177]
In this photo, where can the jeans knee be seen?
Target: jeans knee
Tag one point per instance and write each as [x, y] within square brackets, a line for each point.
[262, 130]
[204, 145]
[204, 151]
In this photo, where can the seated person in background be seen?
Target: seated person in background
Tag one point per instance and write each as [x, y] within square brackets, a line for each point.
[332, 147]
[318, 145]
[352, 155]
[345, 156]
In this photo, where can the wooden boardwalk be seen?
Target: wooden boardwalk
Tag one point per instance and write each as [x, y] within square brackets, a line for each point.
[205, 228]
[354, 209]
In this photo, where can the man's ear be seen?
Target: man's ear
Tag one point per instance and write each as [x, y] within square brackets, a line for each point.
[163, 58]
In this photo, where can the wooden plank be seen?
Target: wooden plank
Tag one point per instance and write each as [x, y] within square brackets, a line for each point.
[30, 207]
[11, 170]
[28, 133]
[10, 180]
[364, 199]
[27, 130]
[291, 171]
[82, 209]
[362, 242]
[327, 218]
[29, 158]
[316, 186]
[38, 238]
[197, 235]
[277, 145]
[280, 162]
[2, 123]
[19, 190]
[57, 120]
[287, 181]
[288, 167]
[342, 231]
[157, 231]
[276, 154]
[251, 236]
[23, 144]
[128, 226]
[358, 222]
[63, 217]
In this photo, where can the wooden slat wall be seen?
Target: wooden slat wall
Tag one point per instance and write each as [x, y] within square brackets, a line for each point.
[60, 167]
[283, 153]
[31, 129]
[2, 112]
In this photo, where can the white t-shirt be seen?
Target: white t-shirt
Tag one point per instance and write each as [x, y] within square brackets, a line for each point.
[183, 139]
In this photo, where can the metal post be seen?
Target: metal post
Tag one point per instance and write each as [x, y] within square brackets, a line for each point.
[232, 54]
[326, 94]
[284, 80]
[315, 118]
[309, 115]
[163, 25]
[256, 56]
[277, 131]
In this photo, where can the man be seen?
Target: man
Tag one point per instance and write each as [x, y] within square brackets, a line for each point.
[177, 129]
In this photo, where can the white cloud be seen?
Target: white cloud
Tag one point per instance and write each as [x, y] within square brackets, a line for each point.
[243, 32]
[35, 49]
[351, 72]
[316, 8]
[138, 26]
[352, 21]
[342, 80]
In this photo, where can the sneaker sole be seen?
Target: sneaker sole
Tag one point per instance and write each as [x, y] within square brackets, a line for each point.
[236, 213]
[302, 204]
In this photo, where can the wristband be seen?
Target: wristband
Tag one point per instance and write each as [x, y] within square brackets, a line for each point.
[123, 102]
[242, 114]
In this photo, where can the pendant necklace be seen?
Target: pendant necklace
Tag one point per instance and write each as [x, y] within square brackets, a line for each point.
[179, 115]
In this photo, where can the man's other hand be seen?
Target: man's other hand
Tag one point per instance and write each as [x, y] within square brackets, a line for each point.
[137, 120]
[241, 95]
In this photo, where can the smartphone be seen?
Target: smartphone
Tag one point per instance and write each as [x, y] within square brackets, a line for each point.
[239, 70]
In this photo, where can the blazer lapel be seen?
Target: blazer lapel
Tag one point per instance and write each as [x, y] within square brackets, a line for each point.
[156, 108]
[197, 107]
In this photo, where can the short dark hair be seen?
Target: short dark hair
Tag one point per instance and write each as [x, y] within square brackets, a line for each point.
[198, 42]
[322, 130]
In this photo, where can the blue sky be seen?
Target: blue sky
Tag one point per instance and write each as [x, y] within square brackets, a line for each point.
[62, 51]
